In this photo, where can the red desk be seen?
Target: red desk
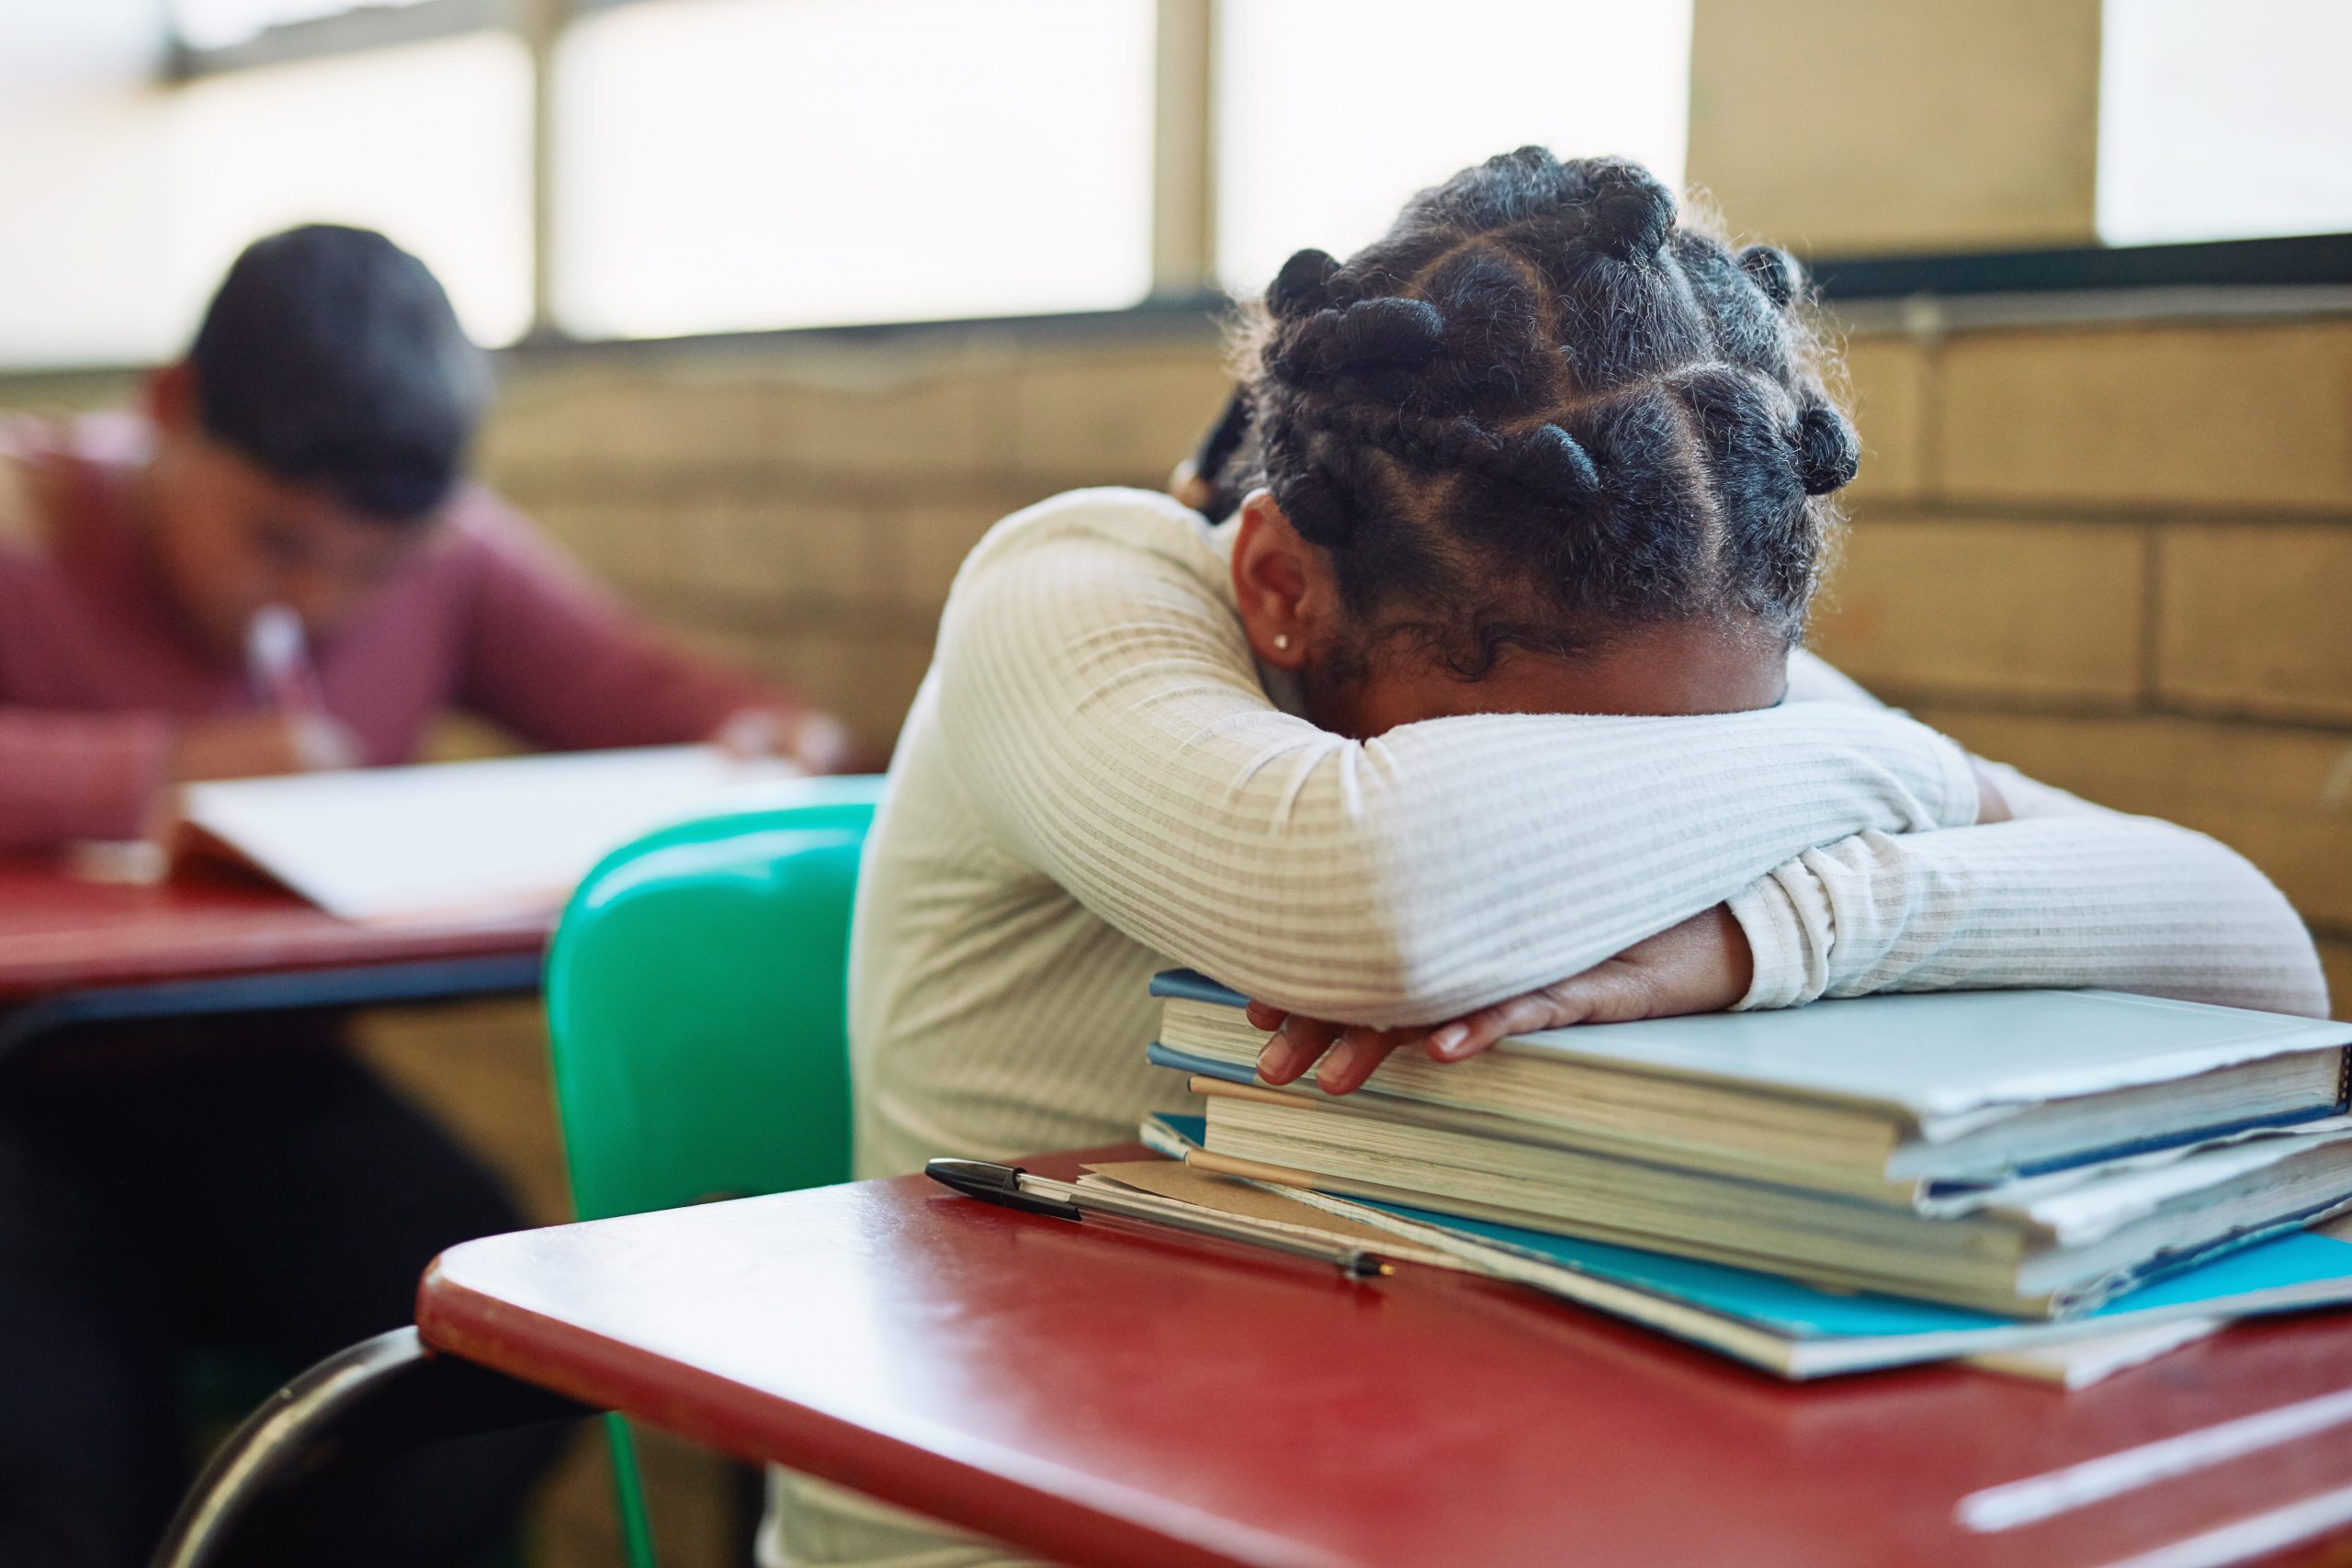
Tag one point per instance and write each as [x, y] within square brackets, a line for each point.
[215, 941]
[1105, 1396]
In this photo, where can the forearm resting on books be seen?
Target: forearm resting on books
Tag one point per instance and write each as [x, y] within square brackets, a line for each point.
[1702, 964]
[2084, 899]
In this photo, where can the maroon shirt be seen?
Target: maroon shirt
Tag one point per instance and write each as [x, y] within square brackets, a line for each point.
[95, 673]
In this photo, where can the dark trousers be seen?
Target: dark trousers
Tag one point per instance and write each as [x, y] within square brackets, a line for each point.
[240, 1183]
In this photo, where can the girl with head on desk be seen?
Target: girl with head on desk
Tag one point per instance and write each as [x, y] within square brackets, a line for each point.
[248, 1181]
[1486, 711]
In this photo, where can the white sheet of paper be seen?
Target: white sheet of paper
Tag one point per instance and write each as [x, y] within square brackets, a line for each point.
[512, 835]
[2079, 1363]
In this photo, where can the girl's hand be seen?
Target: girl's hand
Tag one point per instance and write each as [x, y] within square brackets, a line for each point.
[1701, 965]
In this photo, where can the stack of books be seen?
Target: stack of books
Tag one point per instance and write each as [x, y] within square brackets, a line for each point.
[1996, 1157]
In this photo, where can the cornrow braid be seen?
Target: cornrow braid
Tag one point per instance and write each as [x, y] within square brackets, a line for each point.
[1548, 404]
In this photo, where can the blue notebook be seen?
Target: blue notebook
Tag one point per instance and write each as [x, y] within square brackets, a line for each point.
[1798, 1331]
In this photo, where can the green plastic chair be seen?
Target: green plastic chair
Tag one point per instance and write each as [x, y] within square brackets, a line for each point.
[696, 993]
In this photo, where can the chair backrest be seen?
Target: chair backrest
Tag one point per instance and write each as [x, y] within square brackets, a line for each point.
[695, 995]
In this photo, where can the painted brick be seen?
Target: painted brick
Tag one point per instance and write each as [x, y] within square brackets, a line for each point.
[2281, 798]
[634, 545]
[732, 550]
[868, 679]
[567, 424]
[2257, 618]
[532, 428]
[926, 425]
[921, 546]
[680, 419]
[1889, 376]
[1112, 420]
[550, 423]
[2033, 611]
[884, 674]
[827, 551]
[2233, 416]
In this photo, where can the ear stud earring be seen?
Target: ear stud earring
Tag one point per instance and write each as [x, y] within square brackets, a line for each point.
[1282, 642]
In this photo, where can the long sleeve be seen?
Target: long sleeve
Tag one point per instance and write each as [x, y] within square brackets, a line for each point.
[2067, 894]
[559, 659]
[1102, 708]
[74, 775]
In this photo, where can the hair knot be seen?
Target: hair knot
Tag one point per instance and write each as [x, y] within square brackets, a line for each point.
[1303, 287]
[1379, 333]
[1317, 506]
[1773, 271]
[1827, 452]
[1550, 462]
[1632, 213]
[1371, 335]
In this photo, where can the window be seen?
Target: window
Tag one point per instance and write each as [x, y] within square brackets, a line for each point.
[1331, 112]
[2223, 121]
[746, 164]
[140, 197]
[429, 142]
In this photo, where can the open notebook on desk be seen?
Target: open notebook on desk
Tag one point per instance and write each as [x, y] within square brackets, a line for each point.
[509, 836]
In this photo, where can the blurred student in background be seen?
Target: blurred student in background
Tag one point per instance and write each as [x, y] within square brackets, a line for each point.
[298, 473]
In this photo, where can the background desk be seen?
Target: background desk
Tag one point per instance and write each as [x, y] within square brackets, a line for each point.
[1104, 1396]
[215, 941]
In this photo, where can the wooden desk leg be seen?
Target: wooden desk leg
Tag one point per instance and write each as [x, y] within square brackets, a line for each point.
[379, 1398]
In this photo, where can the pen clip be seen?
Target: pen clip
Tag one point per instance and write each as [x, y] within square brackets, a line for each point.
[999, 1184]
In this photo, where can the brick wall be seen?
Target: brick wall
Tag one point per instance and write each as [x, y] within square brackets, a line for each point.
[803, 509]
[2121, 558]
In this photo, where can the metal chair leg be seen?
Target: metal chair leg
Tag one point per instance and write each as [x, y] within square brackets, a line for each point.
[379, 1397]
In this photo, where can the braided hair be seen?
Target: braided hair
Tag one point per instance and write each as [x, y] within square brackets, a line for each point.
[1546, 406]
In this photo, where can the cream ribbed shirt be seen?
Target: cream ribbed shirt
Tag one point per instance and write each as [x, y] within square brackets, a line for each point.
[1095, 783]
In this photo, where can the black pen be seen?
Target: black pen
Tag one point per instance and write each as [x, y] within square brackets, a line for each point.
[1013, 1188]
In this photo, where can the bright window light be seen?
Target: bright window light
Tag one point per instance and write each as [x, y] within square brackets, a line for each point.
[139, 198]
[1331, 113]
[217, 24]
[429, 142]
[2223, 121]
[732, 164]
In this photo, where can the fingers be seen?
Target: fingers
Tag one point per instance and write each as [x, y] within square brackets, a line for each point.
[1349, 1056]
[1352, 1060]
[1266, 1016]
[1547, 1008]
[1292, 1051]
[1613, 991]
[1609, 992]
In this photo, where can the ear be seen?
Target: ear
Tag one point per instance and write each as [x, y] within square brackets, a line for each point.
[171, 398]
[1283, 585]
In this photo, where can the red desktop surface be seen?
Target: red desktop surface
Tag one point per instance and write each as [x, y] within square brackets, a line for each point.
[59, 933]
[1098, 1393]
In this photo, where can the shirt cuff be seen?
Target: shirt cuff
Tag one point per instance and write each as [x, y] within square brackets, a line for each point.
[1785, 973]
[1959, 775]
